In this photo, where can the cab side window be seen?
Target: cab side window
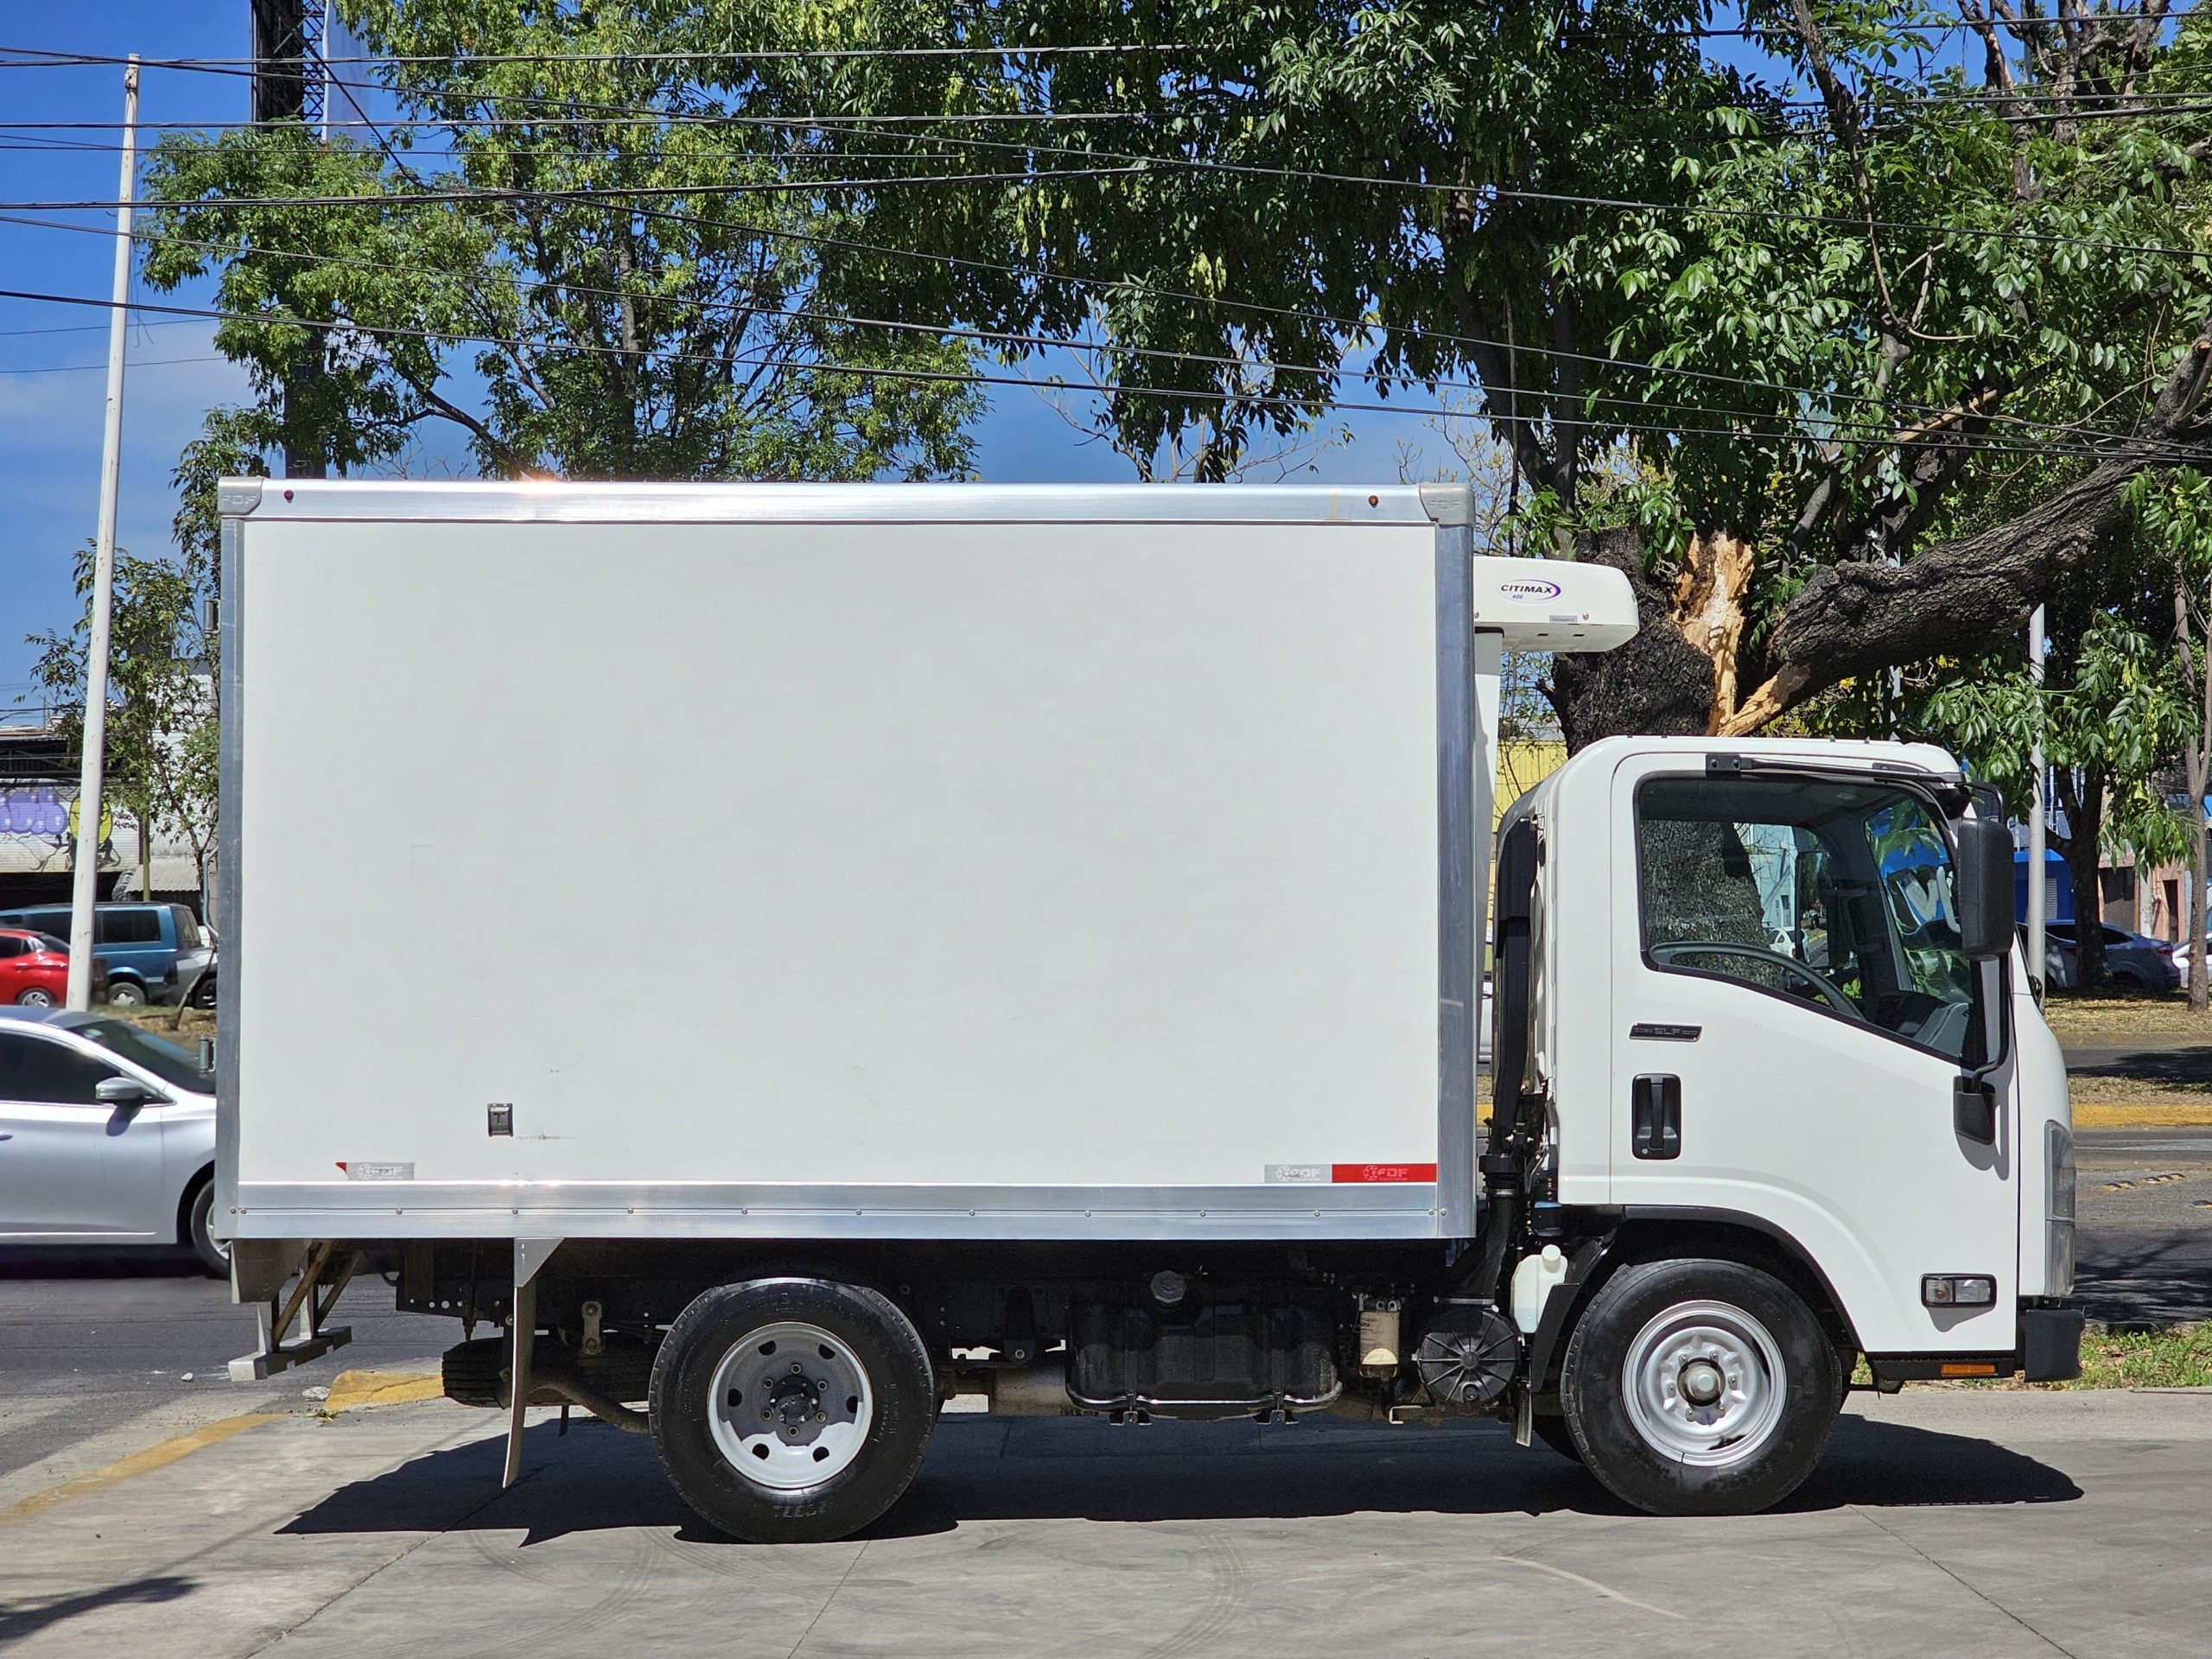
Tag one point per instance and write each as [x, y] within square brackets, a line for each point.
[40, 1070]
[1834, 893]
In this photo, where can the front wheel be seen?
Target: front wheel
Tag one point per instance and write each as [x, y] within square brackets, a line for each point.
[126, 993]
[36, 998]
[1699, 1387]
[791, 1410]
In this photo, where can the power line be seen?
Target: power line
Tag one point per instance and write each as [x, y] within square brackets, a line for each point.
[40, 58]
[93, 368]
[1892, 407]
[1347, 325]
[1033, 341]
[37, 57]
[1143, 166]
[1108, 389]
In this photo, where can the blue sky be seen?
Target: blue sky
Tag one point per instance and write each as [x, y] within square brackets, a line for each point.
[51, 356]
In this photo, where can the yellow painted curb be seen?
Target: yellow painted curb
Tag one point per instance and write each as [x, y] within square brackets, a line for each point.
[139, 1462]
[2161, 1115]
[382, 1388]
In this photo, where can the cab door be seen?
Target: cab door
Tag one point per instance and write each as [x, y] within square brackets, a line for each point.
[1791, 1011]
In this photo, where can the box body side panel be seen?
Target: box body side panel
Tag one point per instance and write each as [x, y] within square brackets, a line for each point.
[770, 866]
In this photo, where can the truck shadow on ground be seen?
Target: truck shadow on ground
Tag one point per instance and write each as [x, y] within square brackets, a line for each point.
[99, 1262]
[597, 1480]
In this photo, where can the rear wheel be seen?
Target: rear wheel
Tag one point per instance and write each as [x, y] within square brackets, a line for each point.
[791, 1410]
[199, 1232]
[1699, 1387]
[125, 994]
[36, 998]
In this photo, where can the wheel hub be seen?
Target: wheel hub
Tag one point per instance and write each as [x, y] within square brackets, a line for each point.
[1700, 1382]
[1704, 1383]
[795, 1402]
[791, 1406]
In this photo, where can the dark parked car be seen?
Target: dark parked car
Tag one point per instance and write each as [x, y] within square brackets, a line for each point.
[2138, 961]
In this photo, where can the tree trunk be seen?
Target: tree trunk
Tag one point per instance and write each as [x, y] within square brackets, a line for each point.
[1658, 683]
[1683, 672]
[2197, 965]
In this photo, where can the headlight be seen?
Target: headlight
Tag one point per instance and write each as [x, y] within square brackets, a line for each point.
[2058, 1213]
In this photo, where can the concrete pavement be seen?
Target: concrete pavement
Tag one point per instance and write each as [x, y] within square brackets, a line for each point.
[1963, 1523]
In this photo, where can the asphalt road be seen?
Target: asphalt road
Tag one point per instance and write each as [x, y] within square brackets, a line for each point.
[96, 1340]
[2145, 1246]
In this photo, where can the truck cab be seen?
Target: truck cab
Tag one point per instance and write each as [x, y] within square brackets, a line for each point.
[1748, 1009]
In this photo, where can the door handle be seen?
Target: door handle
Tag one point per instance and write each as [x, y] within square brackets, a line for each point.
[1655, 1117]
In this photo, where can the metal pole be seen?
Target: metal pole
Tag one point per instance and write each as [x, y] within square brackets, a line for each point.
[2036, 917]
[85, 889]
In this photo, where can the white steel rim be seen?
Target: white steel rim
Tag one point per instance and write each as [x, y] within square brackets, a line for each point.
[792, 1406]
[1705, 1385]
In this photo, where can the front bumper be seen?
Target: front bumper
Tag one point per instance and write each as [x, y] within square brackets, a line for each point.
[2049, 1351]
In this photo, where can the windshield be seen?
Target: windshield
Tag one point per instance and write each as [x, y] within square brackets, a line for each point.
[164, 1059]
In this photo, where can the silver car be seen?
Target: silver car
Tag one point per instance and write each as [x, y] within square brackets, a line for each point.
[107, 1136]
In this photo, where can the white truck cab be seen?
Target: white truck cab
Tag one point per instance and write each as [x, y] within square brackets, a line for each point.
[1751, 1008]
[1061, 985]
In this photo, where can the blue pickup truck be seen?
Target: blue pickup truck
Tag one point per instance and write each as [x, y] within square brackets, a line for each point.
[151, 952]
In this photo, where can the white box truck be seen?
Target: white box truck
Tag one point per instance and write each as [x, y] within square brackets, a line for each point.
[809, 952]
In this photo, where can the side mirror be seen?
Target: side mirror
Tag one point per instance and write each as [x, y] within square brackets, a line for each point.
[1974, 1110]
[122, 1092]
[1983, 887]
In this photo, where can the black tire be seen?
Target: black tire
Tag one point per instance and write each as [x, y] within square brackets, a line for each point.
[1554, 1432]
[876, 1337]
[199, 1231]
[1776, 1369]
[37, 997]
[126, 993]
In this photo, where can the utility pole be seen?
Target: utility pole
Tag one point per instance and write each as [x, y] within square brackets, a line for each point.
[85, 883]
[2036, 917]
[286, 36]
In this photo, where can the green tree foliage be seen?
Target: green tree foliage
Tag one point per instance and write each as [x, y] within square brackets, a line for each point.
[1236, 210]
[161, 725]
[674, 333]
[1967, 304]
[2112, 714]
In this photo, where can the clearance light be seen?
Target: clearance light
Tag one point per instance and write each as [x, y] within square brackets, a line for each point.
[1969, 1370]
[1958, 1290]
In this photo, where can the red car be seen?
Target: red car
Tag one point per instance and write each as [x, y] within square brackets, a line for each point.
[33, 968]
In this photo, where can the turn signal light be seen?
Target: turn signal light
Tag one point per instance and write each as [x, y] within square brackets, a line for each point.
[1958, 1290]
